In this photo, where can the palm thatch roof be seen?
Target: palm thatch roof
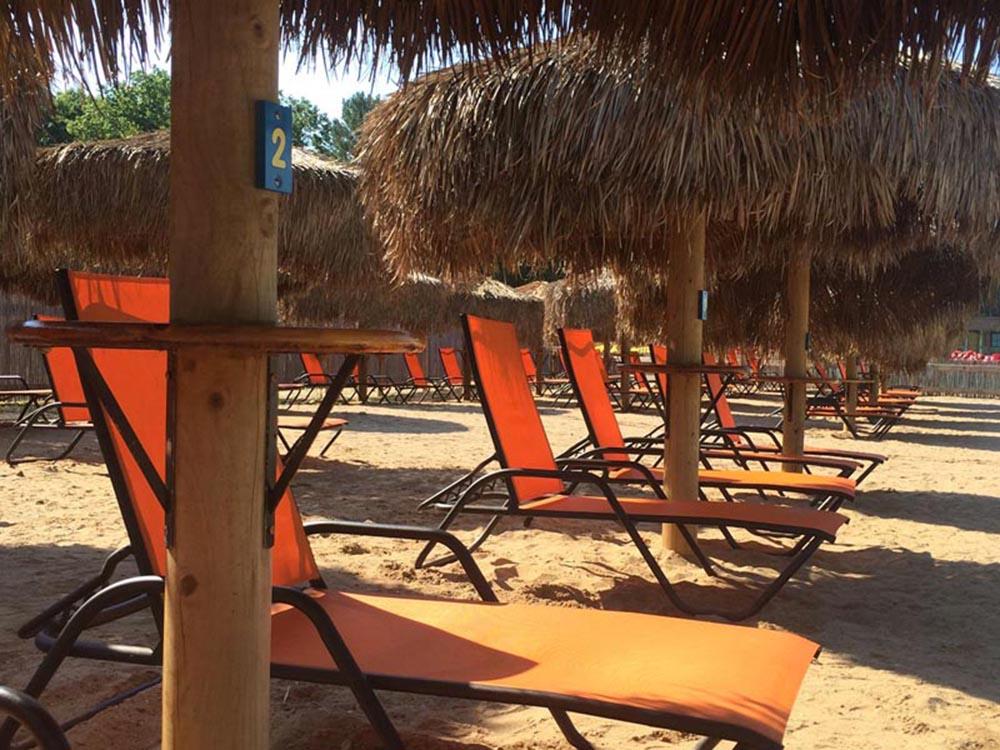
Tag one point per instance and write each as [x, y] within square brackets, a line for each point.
[418, 303]
[728, 43]
[895, 316]
[104, 204]
[740, 46]
[494, 299]
[589, 301]
[573, 153]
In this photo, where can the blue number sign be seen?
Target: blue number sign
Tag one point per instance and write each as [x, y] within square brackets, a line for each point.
[702, 304]
[274, 147]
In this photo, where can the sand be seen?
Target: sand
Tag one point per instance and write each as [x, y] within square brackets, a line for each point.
[906, 604]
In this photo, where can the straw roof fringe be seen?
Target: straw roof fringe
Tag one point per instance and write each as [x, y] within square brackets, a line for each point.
[731, 44]
[494, 299]
[105, 203]
[589, 301]
[572, 153]
[897, 316]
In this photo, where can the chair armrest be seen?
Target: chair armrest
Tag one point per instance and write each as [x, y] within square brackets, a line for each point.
[16, 379]
[415, 533]
[588, 463]
[845, 466]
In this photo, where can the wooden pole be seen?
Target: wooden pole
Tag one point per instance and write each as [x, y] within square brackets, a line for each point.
[222, 267]
[686, 252]
[539, 356]
[876, 384]
[852, 388]
[796, 356]
[625, 397]
[363, 379]
[466, 376]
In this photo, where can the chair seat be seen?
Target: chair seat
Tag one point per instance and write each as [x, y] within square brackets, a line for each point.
[834, 452]
[749, 515]
[769, 480]
[610, 663]
[301, 423]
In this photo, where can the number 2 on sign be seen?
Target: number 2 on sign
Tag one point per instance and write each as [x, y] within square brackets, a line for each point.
[278, 138]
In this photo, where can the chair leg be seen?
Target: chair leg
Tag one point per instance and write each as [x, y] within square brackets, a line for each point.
[331, 441]
[570, 732]
[450, 516]
[112, 595]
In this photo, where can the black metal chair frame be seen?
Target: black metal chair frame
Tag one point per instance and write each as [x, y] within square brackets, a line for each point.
[466, 494]
[47, 416]
[57, 630]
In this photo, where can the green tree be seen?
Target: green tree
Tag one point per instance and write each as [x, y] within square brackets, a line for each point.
[353, 111]
[140, 105]
[67, 106]
[311, 128]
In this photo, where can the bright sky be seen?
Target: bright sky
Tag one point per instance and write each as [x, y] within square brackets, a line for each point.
[326, 89]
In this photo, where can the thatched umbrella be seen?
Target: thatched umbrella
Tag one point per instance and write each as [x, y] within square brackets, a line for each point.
[599, 160]
[104, 203]
[589, 301]
[494, 299]
[223, 233]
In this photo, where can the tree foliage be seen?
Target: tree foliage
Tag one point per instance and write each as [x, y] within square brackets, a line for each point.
[139, 105]
[142, 104]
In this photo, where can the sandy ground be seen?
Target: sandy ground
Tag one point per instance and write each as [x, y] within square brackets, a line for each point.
[906, 604]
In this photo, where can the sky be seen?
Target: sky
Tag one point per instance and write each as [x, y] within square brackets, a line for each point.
[327, 89]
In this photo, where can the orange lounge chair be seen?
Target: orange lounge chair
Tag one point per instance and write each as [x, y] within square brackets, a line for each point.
[29, 713]
[314, 376]
[66, 411]
[440, 388]
[910, 392]
[606, 440]
[830, 401]
[453, 372]
[722, 681]
[16, 388]
[740, 438]
[531, 482]
[557, 387]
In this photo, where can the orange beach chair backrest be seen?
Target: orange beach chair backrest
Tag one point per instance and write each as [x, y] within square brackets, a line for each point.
[65, 379]
[528, 363]
[825, 375]
[415, 368]
[314, 368]
[451, 365]
[138, 380]
[716, 392]
[515, 425]
[659, 354]
[584, 369]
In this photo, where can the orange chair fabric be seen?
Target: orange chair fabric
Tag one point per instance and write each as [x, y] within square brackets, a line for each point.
[725, 674]
[509, 406]
[65, 380]
[138, 379]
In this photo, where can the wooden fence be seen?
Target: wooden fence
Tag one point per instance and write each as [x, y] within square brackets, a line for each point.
[956, 379]
[20, 360]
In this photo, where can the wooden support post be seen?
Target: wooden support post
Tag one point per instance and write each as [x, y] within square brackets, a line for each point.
[686, 253]
[363, 379]
[222, 267]
[539, 356]
[607, 355]
[796, 356]
[466, 376]
[876, 385]
[852, 388]
[625, 397]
